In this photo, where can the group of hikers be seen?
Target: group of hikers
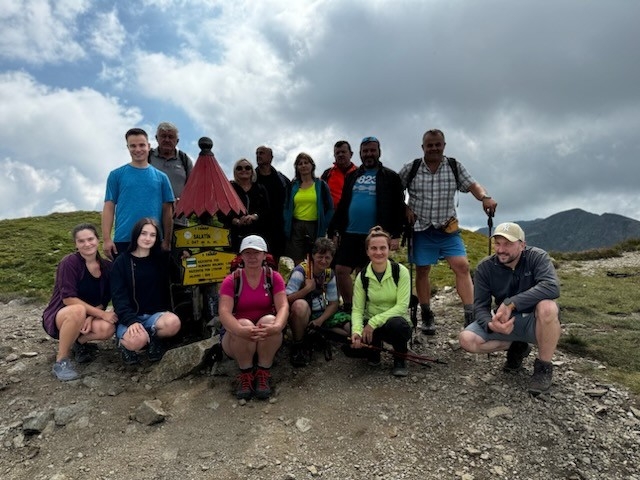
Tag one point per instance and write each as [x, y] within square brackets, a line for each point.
[340, 230]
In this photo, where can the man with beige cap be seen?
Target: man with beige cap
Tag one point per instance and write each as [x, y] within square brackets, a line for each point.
[522, 282]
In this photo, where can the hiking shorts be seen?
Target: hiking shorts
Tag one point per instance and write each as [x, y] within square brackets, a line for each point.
[524, 330]
[338, 319]
[148, 322]
[351, 251]
[431, 245]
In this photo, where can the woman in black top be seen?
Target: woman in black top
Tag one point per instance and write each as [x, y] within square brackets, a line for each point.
[140, 291]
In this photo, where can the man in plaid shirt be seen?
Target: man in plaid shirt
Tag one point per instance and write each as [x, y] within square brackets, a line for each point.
[432, 213]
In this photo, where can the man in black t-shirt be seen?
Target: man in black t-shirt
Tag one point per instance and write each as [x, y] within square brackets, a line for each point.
[276, 184]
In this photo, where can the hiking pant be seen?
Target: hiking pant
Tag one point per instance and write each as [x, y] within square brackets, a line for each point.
[396, 332]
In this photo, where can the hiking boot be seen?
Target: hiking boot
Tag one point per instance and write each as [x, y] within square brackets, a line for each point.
[244, 390]
[156, 349]
[298, 357]
[262, 386]
[428, 321]
[81, 352]
[399, 368]
[516, 353]
[541, 378]
[129, 357]
[64, 370]
[468, 319]
[373, 358]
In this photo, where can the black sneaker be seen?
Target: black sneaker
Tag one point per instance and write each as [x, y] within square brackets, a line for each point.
[428, 321]
[81, 352]
[374, 358]
[156, 349]
[516, 353]
[399, 368]
[129, 357]
[299, 358]
[541, 378]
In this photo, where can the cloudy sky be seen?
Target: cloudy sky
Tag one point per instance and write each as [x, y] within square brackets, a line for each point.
[540, 100]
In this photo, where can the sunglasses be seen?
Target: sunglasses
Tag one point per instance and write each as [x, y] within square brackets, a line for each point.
[247, 168]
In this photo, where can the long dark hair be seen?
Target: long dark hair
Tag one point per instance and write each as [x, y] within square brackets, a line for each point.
[137, 230]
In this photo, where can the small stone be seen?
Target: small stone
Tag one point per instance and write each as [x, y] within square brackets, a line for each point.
[303, 424]
[28, 354]
[12, 357]
[596, 392]
[500, 411]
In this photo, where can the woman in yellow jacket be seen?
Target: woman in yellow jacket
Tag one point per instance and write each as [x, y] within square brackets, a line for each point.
[380, 303]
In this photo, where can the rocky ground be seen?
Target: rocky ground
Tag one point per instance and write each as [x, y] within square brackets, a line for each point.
[334, 420]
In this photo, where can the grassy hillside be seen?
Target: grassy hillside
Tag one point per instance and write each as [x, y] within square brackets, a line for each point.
[602, 312]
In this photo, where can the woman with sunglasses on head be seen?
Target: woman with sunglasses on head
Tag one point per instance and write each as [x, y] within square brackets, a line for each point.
[380, 307]
[253, 310]
[140, 289]
[308, 209]
[255, 198]
[76, 314]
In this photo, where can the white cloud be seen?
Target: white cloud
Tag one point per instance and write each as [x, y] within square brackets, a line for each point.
[108, 34]
[59, 145]
[41, 31]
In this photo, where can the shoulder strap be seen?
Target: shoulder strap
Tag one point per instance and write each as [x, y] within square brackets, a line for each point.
[395, 271]
[454, 167]
[414, 170]
[365, 283]
[237, 284]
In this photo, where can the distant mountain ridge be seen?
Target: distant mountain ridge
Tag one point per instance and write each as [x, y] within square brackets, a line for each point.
[576, 230]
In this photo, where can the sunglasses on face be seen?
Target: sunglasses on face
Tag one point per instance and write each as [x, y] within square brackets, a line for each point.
[247, 168]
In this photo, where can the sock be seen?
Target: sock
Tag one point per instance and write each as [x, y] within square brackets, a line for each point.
[425, 306]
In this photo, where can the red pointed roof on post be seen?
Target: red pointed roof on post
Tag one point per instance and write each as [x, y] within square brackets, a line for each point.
[208, 189]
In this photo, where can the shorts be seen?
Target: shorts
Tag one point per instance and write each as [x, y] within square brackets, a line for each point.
[338, 319]
[351, 251]
[148, 321]
[524, 330]
[431, 245]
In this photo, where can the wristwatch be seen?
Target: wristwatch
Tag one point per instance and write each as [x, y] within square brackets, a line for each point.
[508, 303]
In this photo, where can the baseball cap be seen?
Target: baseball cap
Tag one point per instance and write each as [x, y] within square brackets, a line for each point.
[369, 139]
[254, 242]
[510, 231]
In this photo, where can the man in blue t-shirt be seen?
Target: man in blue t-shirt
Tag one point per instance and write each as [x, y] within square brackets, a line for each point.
[372, 195]
[134, 191]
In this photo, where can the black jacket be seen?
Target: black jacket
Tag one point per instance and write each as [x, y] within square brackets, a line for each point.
[390, 207]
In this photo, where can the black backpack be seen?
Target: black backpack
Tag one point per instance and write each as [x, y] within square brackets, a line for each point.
[453, 164]
[395, 273]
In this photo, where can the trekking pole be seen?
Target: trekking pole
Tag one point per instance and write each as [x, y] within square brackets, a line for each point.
[490, 225]
[409, 356]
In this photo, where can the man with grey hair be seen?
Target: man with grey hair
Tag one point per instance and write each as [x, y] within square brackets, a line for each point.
[522, 282]
[168, 159]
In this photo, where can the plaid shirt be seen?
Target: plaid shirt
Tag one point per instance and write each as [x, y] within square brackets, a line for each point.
[432, 195]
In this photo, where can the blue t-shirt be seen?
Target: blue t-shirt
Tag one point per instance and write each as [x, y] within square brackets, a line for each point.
[136, 193]
[362, 211]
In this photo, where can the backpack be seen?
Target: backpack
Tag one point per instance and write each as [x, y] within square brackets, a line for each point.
[453, 164]
[328, 276]
[182, 156]
[395, 273]
[236, 270]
